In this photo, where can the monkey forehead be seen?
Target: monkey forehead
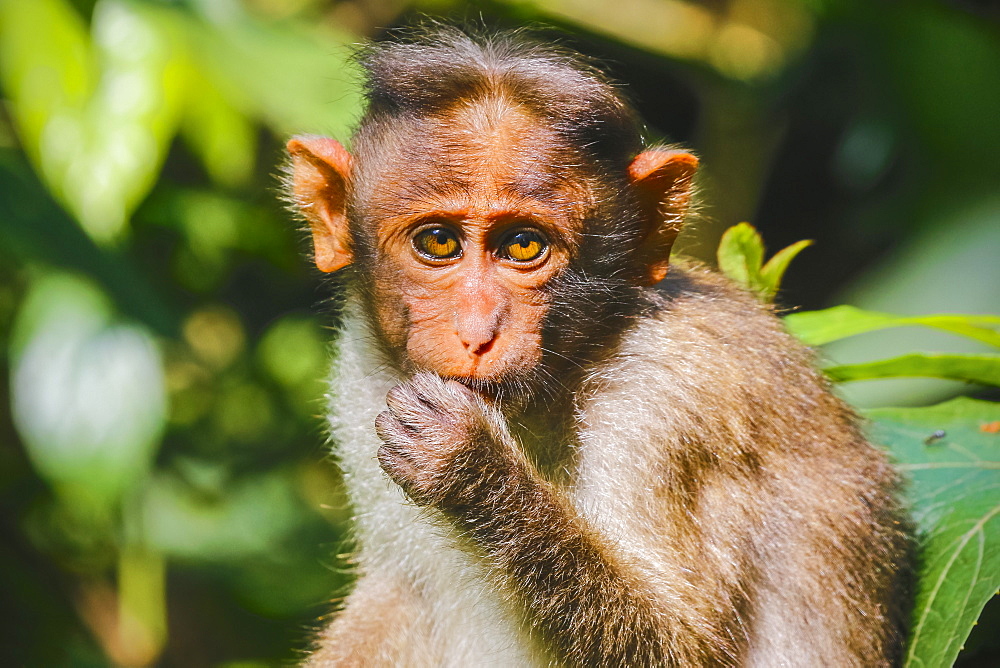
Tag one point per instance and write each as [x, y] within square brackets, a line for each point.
[493, 153]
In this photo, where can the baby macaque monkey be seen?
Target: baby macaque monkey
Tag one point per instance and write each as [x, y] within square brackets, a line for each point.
[551, 461]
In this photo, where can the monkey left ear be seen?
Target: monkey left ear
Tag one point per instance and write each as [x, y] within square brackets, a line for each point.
[321, 172]
[662, 180]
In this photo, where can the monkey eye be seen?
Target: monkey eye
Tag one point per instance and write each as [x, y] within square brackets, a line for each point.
[523, 246]
[437, 243]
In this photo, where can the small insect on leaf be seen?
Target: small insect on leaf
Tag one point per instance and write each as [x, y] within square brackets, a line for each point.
[990, 427]
[935, 437]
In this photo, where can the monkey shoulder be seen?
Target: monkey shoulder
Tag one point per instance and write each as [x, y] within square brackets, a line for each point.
[708, 363]
[700, 323]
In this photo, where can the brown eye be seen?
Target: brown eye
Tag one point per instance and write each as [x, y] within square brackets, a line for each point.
[523, 246]
[438, 243]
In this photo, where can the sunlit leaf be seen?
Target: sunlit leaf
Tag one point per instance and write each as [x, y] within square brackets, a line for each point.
[132, 117]
[741, 255]
[142, 604]
[245, 410]
[216, 335]
[87, 392]
[982, 369]
[96, 115]
[239, 519]
[296, 78]
[48, 73]
[774, 270]
[291, 351]
[815, 328]
[34, 229]
[745, 50]
[953, 469]
[216, 130]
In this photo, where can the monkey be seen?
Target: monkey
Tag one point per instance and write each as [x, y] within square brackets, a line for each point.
[562, 446]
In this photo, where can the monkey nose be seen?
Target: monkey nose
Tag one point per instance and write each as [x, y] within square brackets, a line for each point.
[478, 324]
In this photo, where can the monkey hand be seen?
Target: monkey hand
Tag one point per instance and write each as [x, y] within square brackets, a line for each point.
[440, 442]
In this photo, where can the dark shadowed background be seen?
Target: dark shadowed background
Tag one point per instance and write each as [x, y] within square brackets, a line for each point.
[164, 497]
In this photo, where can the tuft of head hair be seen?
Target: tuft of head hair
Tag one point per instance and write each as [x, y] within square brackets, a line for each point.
[435, 68]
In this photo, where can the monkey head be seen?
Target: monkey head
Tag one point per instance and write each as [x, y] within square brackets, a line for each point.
[492, 244]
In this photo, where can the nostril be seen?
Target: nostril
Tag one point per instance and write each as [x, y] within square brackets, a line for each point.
[482, 348]
[477, 346]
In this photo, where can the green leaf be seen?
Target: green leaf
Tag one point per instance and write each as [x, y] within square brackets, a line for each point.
[772, 272]
[88, 393]
[982, 369]
[272, 71]
[96, 113]
[741, 254]
[741, 258]
[954, 492]
[242, 518]
[815, 328]
[216, 131]
[48, 73]
[35, 230]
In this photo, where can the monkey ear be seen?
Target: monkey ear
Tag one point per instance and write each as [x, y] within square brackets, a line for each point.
[321, 172]
[662, 180]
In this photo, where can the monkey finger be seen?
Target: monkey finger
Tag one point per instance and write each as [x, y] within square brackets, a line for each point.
[417, 412]
[430, 393]
[414, 414]
[390, 429]
[448, 400]
[458, 389]
[396, 465]
[430, 385]
[401, 398]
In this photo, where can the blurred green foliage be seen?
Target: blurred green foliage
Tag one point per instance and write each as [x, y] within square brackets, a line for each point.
[164, 497]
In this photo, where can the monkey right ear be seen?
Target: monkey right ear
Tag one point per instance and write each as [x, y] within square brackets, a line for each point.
[321, 172]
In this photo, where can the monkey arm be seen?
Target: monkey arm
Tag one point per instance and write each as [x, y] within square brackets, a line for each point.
[587, 606]
[449, 450]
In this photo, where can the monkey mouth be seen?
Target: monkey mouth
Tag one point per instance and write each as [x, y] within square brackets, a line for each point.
[485, 386]
[501, 390]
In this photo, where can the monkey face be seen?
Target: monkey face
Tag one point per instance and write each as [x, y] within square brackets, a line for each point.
[463, 280]
[466, 226]
[463, 291]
